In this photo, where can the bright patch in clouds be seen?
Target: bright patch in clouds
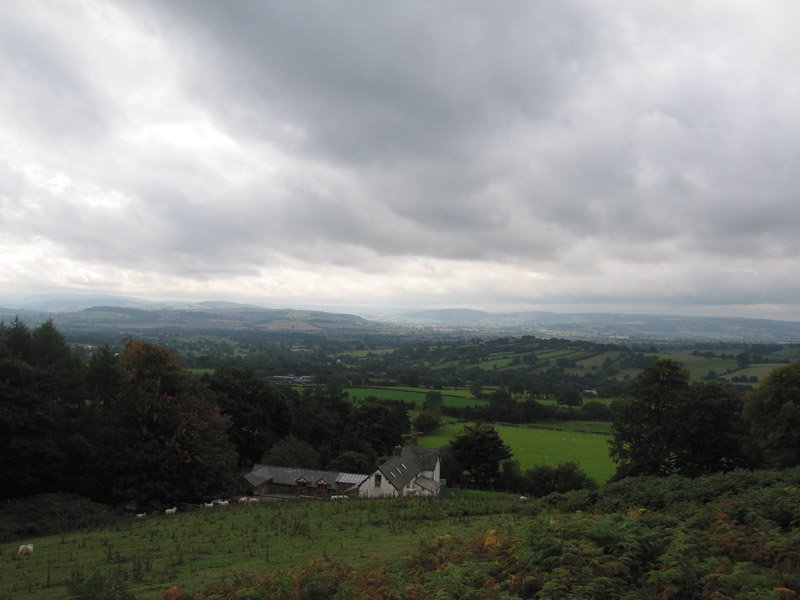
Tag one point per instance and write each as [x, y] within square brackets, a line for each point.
[573, 155]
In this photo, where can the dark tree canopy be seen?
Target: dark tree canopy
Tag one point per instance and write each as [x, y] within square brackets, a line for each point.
[647, 420]
[479, 450]
[668, 425]
[711, 432]
[169, 441]
[30, 432]
[772, 415]
[103, 377]
[42, 447]
[381, 423]
[351, 461]
[427, 421]
[292, 452]
[545, 479]
[257, 409]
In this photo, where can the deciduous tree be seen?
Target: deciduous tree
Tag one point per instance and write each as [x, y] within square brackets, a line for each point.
[479, 450]
[292, 452]
[647, 420]
[772, 415]
[165, 439]
[669, 425]
[381, 423]
[257, 409]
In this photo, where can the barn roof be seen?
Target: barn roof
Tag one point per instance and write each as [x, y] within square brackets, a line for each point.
[295, 476]
[428, 484]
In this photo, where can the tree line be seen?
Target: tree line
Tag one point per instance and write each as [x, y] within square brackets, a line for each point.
[667, 424]
[134, 425]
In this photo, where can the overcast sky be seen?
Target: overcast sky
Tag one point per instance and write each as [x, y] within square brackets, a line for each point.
[577, 156]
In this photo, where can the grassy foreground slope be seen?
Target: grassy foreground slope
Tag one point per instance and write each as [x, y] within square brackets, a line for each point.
[721, 536]
[195, 549]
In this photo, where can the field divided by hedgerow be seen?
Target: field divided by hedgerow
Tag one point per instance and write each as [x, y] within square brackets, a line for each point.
[457, 398]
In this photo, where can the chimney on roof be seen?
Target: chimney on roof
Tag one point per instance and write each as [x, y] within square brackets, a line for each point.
[398, 450]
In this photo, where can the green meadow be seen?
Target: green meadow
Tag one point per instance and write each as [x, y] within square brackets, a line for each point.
[532, 445]
[450, 397]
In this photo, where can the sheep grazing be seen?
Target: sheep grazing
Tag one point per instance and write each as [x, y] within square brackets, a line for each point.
[141, 515]
[243, 500]
[252, 500]
[223, 503]
[523, 498]
[25, 549]
[171, 511]
[208, 504]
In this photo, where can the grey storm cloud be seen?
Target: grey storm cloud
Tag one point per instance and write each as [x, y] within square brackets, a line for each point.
[577, 152]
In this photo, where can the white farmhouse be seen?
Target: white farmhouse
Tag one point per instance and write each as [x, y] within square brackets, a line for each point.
[415, 472]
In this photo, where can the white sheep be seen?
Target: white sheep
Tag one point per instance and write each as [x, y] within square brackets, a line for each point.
[171, 511]
[243, 500]
[25, 549]
[223, 503]
[141, 515]
[252, 500]
[523, 498]
[208, 504]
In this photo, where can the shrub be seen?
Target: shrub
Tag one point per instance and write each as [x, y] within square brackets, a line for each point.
[99, 587]
[544, 479]
[48, 514]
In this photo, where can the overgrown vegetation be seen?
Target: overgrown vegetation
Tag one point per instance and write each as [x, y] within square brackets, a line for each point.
[732, 535]
[48, 514]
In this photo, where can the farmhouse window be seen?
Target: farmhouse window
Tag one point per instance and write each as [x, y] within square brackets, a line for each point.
[377, 481]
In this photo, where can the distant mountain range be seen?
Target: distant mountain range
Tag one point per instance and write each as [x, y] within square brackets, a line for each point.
[128, 315]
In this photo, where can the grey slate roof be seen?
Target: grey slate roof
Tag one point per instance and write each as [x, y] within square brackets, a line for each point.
[400, 470]
[428, 484]
[294, 476]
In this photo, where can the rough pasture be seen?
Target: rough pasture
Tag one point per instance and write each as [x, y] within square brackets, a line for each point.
[193, 549]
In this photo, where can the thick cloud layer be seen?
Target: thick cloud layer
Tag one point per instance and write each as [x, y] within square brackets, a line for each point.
[576, 155]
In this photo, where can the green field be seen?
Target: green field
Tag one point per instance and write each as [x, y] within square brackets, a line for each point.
[758, 370]
[533, 446]
[193, 549]
[367, 352]
[579, 426]
[459, 397]
[699, 366]
[205, 371]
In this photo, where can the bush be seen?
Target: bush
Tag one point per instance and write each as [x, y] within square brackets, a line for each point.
[544, 479]
[48, 514]
[99, 587]
[427, 421]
